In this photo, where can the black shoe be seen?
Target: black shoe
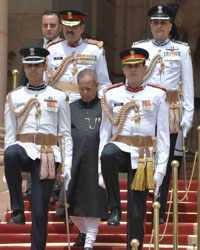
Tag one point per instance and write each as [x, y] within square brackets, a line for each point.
[87, 248]
[70, 220]
[17, 217]
[80, 241]
[53, 198]
[57, 187]
[161, 220]
[26, 196]
[114, 218]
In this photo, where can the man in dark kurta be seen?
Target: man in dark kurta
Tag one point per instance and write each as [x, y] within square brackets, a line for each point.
[87, 200]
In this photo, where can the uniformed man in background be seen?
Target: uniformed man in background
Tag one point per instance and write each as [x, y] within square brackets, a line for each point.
[133, 114]
[68, 57]
[169, 63]
[87, 200]
[34, 115]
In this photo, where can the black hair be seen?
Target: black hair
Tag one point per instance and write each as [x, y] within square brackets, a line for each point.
[51, 12]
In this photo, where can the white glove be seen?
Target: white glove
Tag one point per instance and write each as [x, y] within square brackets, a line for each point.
[67, 177]
[158, 179]
[186, 126]
[101, 181]
[4, 179]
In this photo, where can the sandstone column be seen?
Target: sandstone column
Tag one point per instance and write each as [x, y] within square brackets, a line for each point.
[3, 53]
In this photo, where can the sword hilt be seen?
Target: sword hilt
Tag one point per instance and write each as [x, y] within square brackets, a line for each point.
[60, 138]
[180, 89]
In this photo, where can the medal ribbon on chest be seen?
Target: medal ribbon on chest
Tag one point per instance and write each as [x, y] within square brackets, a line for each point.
[146, 105]
[86, 59]
[51, 104]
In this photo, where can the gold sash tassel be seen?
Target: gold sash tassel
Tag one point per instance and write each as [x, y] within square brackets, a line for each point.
[149, 171]
[174, 111]
[143, 177]
[47, 163]
[138, 182]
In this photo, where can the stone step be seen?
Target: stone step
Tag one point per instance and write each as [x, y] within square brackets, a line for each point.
[4, 196]
[2, 130]
[2, 135]
[1, 160]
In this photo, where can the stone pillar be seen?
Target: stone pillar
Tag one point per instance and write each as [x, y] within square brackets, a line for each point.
[3, 55]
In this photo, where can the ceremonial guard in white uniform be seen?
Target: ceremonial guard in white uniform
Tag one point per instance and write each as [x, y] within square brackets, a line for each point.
[134, 124]
[170, 66]
[34, 115]
[68, 57]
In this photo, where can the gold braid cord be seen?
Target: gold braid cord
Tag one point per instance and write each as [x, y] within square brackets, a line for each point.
[53, 42]
[60, 70]
[25, 110]
[122, 113]
[103, 99]
[99, 44]
[152, 65]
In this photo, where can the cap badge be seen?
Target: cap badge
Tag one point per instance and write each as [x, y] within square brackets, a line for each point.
[132, 54]
[160, 11]
[32, 51]
[69, 15]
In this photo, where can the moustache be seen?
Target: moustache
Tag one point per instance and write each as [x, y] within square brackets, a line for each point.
[70, 32]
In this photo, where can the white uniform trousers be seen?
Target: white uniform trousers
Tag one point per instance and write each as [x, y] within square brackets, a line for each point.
[88, 226]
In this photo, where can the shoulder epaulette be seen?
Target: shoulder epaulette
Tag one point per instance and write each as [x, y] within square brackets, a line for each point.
[113, 86]
[141, 41]
[156, 86]
[180, 42]
[94, 42]
[16, 89]
[53, 42]
[66, 97]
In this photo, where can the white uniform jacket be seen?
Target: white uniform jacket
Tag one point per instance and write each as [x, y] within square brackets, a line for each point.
[88, 56]
[153, 111]
[177, 67]
[54, 119]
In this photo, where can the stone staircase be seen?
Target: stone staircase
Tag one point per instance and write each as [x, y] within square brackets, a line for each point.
[108, 238]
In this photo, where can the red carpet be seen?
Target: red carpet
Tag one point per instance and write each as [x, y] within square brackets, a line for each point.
[18, 237]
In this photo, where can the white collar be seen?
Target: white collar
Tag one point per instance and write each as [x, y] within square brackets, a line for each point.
[160, 44]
